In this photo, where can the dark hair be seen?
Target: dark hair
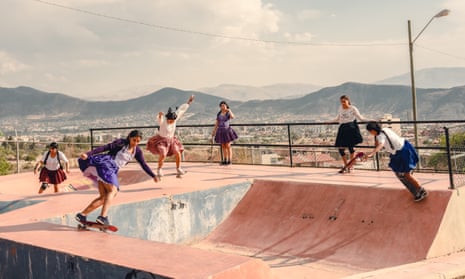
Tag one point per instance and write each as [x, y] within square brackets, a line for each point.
[224, 102]
[345, 97]
[171, 115]
[53, 145]
[374, 126]
[133, 134]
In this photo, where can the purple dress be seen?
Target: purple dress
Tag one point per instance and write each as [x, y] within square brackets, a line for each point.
[105, 164]
[224, 133]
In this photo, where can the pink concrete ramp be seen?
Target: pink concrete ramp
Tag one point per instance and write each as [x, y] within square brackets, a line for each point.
[358, 226]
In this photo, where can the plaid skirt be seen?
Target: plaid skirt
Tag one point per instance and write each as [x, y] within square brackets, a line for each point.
[52, 176]
[164, 146]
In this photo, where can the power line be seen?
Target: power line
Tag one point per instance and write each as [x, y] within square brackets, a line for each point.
[441, 52]
[216, 35]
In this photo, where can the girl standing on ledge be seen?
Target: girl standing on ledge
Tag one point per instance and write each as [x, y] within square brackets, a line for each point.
[348, 134]
[223, 133]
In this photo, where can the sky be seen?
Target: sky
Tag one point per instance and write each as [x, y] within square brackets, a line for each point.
[91, 48]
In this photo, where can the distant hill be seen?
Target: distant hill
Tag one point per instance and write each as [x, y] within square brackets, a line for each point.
[430, 78]
[372, 100]
[269, 92]
[25, 102]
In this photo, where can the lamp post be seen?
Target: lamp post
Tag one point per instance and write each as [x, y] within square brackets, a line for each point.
[442, 13]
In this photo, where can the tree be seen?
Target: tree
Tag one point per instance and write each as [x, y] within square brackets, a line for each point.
[4, 165]
[457, 144]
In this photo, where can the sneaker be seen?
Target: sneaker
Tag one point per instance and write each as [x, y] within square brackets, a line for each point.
[43, 187]
[159, 172]
[180, 171]
[421, 194]
[81, 218]
[102, 220]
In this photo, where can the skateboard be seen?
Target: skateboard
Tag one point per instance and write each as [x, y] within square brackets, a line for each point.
[172, 174]
[98, 226]
[349, 164]
[177, 175]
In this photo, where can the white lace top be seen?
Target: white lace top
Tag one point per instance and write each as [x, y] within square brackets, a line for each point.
[348, 115]
[124, 156]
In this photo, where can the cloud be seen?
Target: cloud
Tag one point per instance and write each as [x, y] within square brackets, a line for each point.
[308, 14]
[10, 65]
[133, 43]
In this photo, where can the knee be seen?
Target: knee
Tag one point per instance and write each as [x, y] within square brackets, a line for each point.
[342, 152]
[351, 150]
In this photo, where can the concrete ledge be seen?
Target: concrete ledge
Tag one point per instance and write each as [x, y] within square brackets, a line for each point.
[53, 251]
[446, 267]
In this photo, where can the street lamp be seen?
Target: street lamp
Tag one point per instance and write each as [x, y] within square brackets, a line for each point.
[442, 13]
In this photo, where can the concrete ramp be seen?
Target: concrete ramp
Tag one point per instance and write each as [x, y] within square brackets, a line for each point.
[365, 227]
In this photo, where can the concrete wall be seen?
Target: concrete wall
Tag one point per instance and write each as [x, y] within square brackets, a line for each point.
[180, 219]
[19, 260]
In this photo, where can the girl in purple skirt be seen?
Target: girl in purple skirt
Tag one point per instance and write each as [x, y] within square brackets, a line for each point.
[103, 168]
[223, 133]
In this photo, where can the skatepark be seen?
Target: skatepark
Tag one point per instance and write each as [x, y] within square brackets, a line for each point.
[239, 221]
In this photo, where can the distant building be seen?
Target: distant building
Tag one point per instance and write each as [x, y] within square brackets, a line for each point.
[270, 159]
[393, 126]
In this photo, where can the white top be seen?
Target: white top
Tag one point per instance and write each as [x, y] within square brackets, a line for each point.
[397, 141]
[52, 162]
[348, 115]
[124, 156]
[167, 130]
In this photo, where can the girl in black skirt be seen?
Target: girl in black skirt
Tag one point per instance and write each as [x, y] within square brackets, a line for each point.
[348, 134]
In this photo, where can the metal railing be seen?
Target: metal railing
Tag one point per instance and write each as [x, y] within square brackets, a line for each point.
[312, 144]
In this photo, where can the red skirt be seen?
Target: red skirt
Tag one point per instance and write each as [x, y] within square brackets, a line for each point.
[164, 146]
[52, 176]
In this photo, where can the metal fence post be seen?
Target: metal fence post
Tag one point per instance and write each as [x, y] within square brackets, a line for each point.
[290, 144]
[449, 162]
[91, 139]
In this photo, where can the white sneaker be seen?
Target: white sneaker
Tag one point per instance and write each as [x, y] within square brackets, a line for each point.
[159, 172]
[180, 171]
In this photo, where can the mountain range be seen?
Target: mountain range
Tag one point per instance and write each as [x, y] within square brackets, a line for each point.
[424, 78]
[430, 78]
[372, 100]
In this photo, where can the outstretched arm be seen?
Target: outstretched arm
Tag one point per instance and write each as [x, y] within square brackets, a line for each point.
[141, 160]
[359, 116]
[191, 99]
[183, 108]
[378, 147]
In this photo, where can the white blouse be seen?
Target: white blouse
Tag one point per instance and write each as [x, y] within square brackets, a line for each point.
[397, 141]
[167, 130]
[348, 115]
[124, 156]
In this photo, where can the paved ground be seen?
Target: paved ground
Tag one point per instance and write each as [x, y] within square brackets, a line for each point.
[286, 261]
